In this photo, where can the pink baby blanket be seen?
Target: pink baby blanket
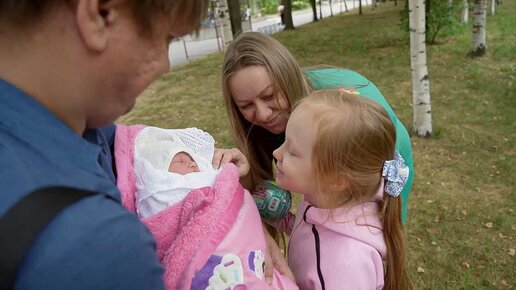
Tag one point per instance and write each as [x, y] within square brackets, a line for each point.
[191, 228]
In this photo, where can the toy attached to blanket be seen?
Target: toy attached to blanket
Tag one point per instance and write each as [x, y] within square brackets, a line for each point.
[206, 225]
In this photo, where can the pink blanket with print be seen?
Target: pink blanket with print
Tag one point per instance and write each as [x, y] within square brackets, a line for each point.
[188, 232]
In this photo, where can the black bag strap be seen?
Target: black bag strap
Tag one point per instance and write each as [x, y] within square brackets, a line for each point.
[23, 222]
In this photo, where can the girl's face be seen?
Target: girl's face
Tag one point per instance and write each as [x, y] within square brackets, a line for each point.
[257, 100]
[295, 170]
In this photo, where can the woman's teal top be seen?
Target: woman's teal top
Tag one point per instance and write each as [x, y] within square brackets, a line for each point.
[336, 78]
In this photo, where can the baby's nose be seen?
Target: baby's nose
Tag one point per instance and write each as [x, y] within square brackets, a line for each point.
[194, 165]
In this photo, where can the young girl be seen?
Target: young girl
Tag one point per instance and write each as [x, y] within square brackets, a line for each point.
[339, 153]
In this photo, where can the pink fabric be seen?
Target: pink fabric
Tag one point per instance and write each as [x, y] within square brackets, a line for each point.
[351, 244]
[247, 234]
[124, 162]
[192, 228]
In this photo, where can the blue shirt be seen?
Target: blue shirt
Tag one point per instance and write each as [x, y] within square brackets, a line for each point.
[92, 244]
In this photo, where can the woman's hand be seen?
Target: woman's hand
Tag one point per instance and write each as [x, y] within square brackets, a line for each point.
[233, 155]
[274, 260]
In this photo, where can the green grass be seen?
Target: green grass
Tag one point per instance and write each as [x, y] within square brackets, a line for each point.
[461, 224]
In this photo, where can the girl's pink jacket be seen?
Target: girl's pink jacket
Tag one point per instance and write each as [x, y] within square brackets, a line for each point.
[213, 239]
[341, 249]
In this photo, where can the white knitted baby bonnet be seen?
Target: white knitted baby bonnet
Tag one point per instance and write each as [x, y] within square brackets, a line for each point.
[154, 150]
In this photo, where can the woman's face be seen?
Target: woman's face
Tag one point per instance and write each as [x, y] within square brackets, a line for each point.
[257, 100]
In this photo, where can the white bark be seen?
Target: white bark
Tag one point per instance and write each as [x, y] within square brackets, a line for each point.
[479, 45]
[420, 82]
[465, 11]
[227, 34]
[493, 7]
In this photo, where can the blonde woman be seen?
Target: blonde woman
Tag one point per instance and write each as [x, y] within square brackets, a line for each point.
[261, 81]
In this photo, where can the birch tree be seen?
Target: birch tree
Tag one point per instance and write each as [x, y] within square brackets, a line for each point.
[479, 45]
[422, 122]
[465, 11]
[493, 7]
[225, 22]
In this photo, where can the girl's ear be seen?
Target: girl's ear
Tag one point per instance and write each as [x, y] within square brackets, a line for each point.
[334, 191]
[339, 183]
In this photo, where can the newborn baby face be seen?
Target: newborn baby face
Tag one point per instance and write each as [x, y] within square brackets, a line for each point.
[182, 163]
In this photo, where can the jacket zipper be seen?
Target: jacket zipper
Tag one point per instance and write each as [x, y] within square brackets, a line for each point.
[317, 249]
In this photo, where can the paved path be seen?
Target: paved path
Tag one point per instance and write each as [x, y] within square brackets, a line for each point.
[188, 48]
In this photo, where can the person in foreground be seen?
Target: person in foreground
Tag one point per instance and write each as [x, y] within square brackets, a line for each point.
[339, 153]
[68, 69]
[261, 81]
[207, 228]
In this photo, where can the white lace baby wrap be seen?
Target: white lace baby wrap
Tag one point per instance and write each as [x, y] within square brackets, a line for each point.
[154, 149]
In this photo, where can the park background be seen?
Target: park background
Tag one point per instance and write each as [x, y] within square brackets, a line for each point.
[461, 227]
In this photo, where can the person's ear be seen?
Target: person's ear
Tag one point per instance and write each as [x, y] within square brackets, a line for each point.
[339, 183]
[94, 19]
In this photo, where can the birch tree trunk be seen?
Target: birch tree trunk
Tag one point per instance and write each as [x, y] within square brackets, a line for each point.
[422, 121]
[465, 11]
[493, 7]
[225, 22]
[479, 45]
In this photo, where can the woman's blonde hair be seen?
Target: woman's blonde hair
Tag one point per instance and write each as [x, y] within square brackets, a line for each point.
[354, 137]
[257, 49]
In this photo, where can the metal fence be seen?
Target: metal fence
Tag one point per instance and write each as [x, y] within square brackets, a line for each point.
[210, 38]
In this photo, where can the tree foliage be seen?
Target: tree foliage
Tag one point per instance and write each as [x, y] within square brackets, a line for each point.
[300, 5]
[441, 17]
[271, 6]
[268, 6]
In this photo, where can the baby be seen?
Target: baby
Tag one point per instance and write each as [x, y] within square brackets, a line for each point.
[182, 163]
[167, 169]
[207, 228]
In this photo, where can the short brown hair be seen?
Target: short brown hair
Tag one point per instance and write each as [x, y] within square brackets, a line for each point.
[23, 13]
